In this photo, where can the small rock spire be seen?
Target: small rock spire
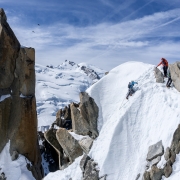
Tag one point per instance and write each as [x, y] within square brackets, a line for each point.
[2, 15]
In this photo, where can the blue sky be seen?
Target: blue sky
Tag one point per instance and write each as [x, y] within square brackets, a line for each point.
[100, 32]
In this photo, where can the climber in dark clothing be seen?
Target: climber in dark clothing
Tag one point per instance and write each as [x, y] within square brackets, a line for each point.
[168, 84]
[130, 89]
[164, 63]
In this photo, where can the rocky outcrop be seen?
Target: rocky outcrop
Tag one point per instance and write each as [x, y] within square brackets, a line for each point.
[158, 75]
[175, 144]
[25, 71]
[170, 157]
[84, 117]
[155, 150]
[51, 139]
[63, 118]
[88, 167]
[84, 122]
[2, 176]
[83, 162]
[156, 173]
[175, 74]
[9, 46]
[79, 126]
[18, 119]
[167, 169]
[86, 144]
[70, 146]
[146, 176]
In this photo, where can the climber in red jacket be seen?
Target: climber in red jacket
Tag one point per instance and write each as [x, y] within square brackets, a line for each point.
[164, 63]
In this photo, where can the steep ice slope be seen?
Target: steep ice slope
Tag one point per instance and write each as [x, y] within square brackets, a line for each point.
[58, 86]
[128, 128]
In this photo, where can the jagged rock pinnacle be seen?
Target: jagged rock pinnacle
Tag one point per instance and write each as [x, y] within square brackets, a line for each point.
[2, 15]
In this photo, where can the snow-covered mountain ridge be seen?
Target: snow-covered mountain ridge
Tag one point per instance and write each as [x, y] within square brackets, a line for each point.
[58, 86]
[128, 128]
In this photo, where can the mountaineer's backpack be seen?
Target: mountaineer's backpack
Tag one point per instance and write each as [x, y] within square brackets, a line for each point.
[129, 85]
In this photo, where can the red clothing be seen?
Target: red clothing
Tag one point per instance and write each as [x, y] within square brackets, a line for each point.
[164, 62]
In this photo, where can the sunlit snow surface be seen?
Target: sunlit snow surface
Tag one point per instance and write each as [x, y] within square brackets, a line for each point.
[58, 86]
[128, 128]
[14, 170]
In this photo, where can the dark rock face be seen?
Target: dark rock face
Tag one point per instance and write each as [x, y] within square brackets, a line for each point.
[155, 173]
[63, 118]
[89, 111]
[175, 144]
[49, 154]
[84, 121]
[15, 155]
[83, 162]
[9, 46]
[18, 119]
[88, 167]
[158, 75]
[79, 126]
[50, 136]
[2, 176]
[25, 71]
[175, 74]
[167, 153]
[84, 118]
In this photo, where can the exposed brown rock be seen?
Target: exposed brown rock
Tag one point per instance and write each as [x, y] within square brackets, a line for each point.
[24, 136]
[89, 111]
[167, 153]
[5, 108]
[79, 126]
[167, 169]
[84, 117]
[70, 145]
[90, 172]
[18, 119]
[67, 113]
[25, 71]
[24, 140]
[9, 49]
[175, 144]
[175, 74]
[146, 176]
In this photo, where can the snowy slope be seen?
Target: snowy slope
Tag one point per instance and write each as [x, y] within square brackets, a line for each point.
[56, 87]
[14, 170]
[128, 128]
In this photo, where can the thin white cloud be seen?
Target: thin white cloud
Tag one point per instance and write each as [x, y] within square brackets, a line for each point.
[107, 44]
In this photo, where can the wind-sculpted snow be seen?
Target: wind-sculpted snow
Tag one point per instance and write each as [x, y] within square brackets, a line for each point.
[56, 87]
[150, 115]
[128, 128]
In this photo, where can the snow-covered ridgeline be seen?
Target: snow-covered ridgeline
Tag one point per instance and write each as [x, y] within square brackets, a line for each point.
[128, 128]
